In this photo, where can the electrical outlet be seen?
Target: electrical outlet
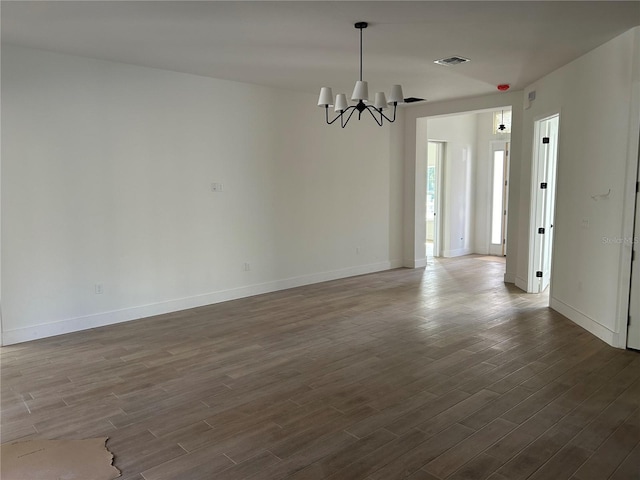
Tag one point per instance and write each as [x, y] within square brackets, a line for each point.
[247, 267]
[217, 187]
[99, 289]
[585, 223]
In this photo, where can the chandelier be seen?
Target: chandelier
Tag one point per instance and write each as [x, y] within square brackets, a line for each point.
[360, 94]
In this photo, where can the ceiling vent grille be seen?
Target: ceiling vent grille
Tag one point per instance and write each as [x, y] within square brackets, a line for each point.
[451, 61]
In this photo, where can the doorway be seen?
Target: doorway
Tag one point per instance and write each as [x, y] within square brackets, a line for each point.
[435, 153]
[543, 202]
[499, 195]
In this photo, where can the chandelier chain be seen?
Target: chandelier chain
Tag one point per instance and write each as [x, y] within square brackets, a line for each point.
[361, 54]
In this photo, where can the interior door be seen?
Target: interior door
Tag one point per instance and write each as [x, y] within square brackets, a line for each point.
[549, 201]
[544, 199]
[434, 173]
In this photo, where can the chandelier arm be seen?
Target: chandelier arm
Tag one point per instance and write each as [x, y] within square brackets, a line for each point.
[379, 122]
[326, 110]
[353, 109]
[395, 105]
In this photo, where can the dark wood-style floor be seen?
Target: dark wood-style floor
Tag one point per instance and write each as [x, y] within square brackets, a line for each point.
[443, 373]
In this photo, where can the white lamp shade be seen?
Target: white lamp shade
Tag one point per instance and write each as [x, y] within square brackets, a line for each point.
[341, 102]
[360, 91]
[326, 97]
[396, 94]
[381, 101]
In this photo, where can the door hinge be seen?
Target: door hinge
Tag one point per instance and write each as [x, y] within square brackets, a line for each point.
[628, 320]
[504, 213]
[543, 185]
[541, 230]
[539, 274]
[545, 139]
[504, 241]
[633, 255]
[505, 183]
[637, 187]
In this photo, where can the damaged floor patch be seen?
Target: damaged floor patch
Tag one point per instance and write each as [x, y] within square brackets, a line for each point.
[57, 459]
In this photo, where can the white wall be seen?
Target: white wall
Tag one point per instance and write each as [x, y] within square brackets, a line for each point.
[106, 173]
[458, 185]
[597, 98]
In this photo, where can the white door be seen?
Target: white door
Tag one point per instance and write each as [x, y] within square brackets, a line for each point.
[633, 332]
[544, 201]
[498, 217]
[435, 152]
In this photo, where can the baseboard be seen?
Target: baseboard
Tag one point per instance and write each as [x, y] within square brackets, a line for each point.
[619, 341]
[457, 253]
[586, 322]
[509, 278]
[395, 264]
[10, 337]
[413, 263]
[522, 284]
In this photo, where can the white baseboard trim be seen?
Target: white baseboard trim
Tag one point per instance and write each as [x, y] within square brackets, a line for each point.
[413, 263]
[457, 253]
[509, 278]
[420, 263]
[10, 337]
[619, 341]
[586, 322]
[395, 264]
[522, 284]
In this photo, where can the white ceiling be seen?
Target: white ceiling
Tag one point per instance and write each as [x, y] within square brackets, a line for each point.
[305, 45]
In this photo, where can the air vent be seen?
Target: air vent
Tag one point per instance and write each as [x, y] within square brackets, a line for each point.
[413, 100]
[451, 61]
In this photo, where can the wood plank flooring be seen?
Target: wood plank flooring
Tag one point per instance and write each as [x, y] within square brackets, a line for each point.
[436, 373]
